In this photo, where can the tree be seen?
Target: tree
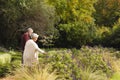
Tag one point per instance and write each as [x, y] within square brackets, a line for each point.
[8, 19]
[107, 12]
[17, 15]
[75, 22]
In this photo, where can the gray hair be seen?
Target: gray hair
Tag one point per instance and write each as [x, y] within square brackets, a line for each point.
[30, 29]
[34, 35]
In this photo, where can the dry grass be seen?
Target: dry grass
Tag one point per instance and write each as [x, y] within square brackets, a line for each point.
[32, 74]
[35, 74]
[88, 74]
[8, 78]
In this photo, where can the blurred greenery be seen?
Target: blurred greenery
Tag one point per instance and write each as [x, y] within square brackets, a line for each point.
[61, 23]
[116, 76]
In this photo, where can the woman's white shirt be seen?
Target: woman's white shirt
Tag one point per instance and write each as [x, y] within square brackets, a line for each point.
[31, 51]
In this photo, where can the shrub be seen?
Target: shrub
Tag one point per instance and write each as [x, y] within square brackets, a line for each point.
[70, 63]
[77, 34]
[106, 12]
[5, 58]
[94, 58]
[5, 68]
[59, 61]
[2, 49]
[116, 76]
[101, 35]
[114, 38]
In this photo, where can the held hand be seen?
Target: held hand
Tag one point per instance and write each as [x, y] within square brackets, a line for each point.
[45, 52]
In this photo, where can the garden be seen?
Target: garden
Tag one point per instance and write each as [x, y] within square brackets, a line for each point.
[86, 63]
[81, 39]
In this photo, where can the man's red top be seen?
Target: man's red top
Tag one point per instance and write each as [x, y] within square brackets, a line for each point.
[24, 39]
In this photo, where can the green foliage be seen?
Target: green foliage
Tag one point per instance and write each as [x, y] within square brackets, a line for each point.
[73, 10]
[78, 33]
[59, 61]
[107, 36]
[107, 12]
[38, 15]
[94, 59]
[87, 63]
[101, 35]
[8, 62]
[79, 64]
[5, 70]
[16, 55]
[116, 76]
[64, 23]
[18, 15]
[9, 16]
[5, 60]
[74, 21]
[114, 37]
[47, 41]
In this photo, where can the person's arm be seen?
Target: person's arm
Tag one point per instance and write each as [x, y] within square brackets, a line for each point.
[40, 50]
[37, 48]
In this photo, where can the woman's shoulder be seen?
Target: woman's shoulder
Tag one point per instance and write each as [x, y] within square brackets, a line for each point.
[29, 41]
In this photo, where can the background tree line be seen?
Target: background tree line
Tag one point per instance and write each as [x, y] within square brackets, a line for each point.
[61, 23]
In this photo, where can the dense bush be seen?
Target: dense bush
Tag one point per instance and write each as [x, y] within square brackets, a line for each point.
[76, 34]
[8, 62]
[108, 37]
[5, 70]
[107, 12]
[101, 36]
[5, 60]
[114, 38]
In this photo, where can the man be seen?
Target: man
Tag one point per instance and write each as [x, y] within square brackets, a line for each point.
[30, 55]
[25, 37]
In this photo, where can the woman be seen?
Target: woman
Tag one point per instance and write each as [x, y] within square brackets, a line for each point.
[30, 55]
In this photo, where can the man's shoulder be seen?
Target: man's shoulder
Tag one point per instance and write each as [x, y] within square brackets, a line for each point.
[25, 34]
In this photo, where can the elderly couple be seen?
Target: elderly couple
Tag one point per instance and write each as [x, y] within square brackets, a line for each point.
[30, 48]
